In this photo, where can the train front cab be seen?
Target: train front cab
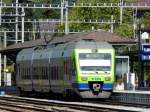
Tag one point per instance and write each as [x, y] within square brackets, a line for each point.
[95, 72]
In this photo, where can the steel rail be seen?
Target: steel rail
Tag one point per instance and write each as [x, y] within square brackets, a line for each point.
[73, 105]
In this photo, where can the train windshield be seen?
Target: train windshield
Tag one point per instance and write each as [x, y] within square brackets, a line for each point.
[95, 61]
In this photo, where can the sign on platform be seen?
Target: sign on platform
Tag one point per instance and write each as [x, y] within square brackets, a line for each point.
[145, 53]
[146, 48]
[145, 35]
[145, 57]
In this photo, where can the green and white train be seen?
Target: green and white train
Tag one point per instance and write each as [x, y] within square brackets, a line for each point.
[84, 68]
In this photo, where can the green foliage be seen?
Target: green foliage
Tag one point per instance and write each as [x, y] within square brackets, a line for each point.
[7, 1]
[125, 30]
[146, 20]
[85, 14]
[45, 13]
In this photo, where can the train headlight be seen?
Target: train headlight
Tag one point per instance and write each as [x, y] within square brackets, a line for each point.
[107, 78]
[84, 78]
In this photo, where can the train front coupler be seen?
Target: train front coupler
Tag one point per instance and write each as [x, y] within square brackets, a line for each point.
[95, 87]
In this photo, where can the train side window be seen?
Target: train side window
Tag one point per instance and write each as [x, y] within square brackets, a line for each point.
[29, 73]
[46, 70]
[46, 73]
[28, 76]
[21, 72]
[40, 72]
[24, 73]
[51, 72]
[55, 75]
[69, 69]
[66, 67]
[56, 71]
[35, 73]
[73, 68]
[34, 70]
[43, 72]
[42, 75]
[59, 70]
[18, 70]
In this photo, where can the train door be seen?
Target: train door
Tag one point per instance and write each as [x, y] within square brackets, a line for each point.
[121, 71]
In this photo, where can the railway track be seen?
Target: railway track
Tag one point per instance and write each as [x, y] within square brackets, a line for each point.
[17, 104]
[113, 102]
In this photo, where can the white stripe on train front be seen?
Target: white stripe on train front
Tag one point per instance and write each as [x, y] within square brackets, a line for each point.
[95, 63]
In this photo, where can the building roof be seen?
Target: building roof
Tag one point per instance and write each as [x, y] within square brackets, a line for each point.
[100, 36]
[142, 3]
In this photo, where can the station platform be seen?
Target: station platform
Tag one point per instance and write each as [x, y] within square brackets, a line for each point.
[132, 96]
[132, 91]
[8, 90]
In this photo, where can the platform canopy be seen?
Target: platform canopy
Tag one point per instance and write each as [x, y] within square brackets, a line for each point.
[102, 36]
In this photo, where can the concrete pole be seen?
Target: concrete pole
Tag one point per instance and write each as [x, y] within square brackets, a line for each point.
[112, 24]
[5, 58]
[33, 29]
[0, 69]
[22, 35]
[0, 63]
[16, 21]
[135, 22]
[66, 20]
[121, 11]
[62, 12]
[1, 12]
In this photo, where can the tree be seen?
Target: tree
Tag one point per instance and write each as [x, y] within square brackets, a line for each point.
[86, 14]
[146, 20]
[125, 30]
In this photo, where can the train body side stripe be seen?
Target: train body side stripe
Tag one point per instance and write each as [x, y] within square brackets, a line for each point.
[86, 86]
